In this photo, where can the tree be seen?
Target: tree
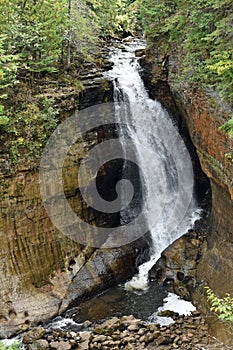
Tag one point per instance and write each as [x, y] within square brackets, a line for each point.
[115, 17]
[69, 36]
[201, 31]
[44, 33]
[8, 70]
[34, 29]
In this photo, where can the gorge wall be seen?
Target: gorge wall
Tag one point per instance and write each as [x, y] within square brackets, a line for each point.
[205, 257]
[42, 272]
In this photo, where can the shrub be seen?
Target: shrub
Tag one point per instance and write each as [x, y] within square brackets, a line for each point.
[222, 306]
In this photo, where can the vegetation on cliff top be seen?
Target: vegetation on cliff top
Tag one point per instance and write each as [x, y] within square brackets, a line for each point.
[49, 41]
[38, 39]
[200, 34]
[45, 36]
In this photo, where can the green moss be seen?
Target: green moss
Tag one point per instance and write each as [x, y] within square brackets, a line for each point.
[168, 313]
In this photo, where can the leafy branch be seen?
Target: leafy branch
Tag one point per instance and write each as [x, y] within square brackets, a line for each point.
[222, 306]
[228, 127]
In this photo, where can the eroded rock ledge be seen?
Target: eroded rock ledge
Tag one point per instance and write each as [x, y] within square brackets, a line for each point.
[201, 113]
[42, 271]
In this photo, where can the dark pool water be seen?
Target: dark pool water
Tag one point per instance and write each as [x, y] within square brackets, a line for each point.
[117, 302]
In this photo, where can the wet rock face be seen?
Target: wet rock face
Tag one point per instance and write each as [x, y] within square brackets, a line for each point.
[96, 91]
[177, 267]
[43, 271]
[201, 114]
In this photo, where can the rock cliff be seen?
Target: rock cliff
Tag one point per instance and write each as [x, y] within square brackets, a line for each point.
[42, 271]
[201, 113]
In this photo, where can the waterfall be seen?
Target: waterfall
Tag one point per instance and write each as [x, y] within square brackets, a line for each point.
[168, 179]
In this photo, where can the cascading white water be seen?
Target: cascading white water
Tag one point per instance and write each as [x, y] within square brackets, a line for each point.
[162, 178]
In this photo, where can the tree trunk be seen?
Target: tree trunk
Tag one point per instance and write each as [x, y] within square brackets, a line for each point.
[69, 39]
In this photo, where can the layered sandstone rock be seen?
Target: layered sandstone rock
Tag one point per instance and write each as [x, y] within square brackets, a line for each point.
[201, 113]
[43, 271]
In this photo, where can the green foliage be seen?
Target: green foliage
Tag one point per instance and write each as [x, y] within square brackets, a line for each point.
[228, 127]
[48, 37]
[30, 128]
[228, 156]
[8, 70]
[222, 306]
[14, 346]
[4, 120]
[40, 32]
[115, 17]
[39, 36]
[82, 33]
[202, 33]
[8, 66]
[34, 30]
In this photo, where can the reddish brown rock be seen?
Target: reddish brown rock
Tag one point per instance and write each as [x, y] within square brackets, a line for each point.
[201, 113]
[43, 271]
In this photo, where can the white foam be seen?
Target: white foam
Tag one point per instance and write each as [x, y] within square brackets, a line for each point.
[140, 280]
[172, 303]
[62, 323]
